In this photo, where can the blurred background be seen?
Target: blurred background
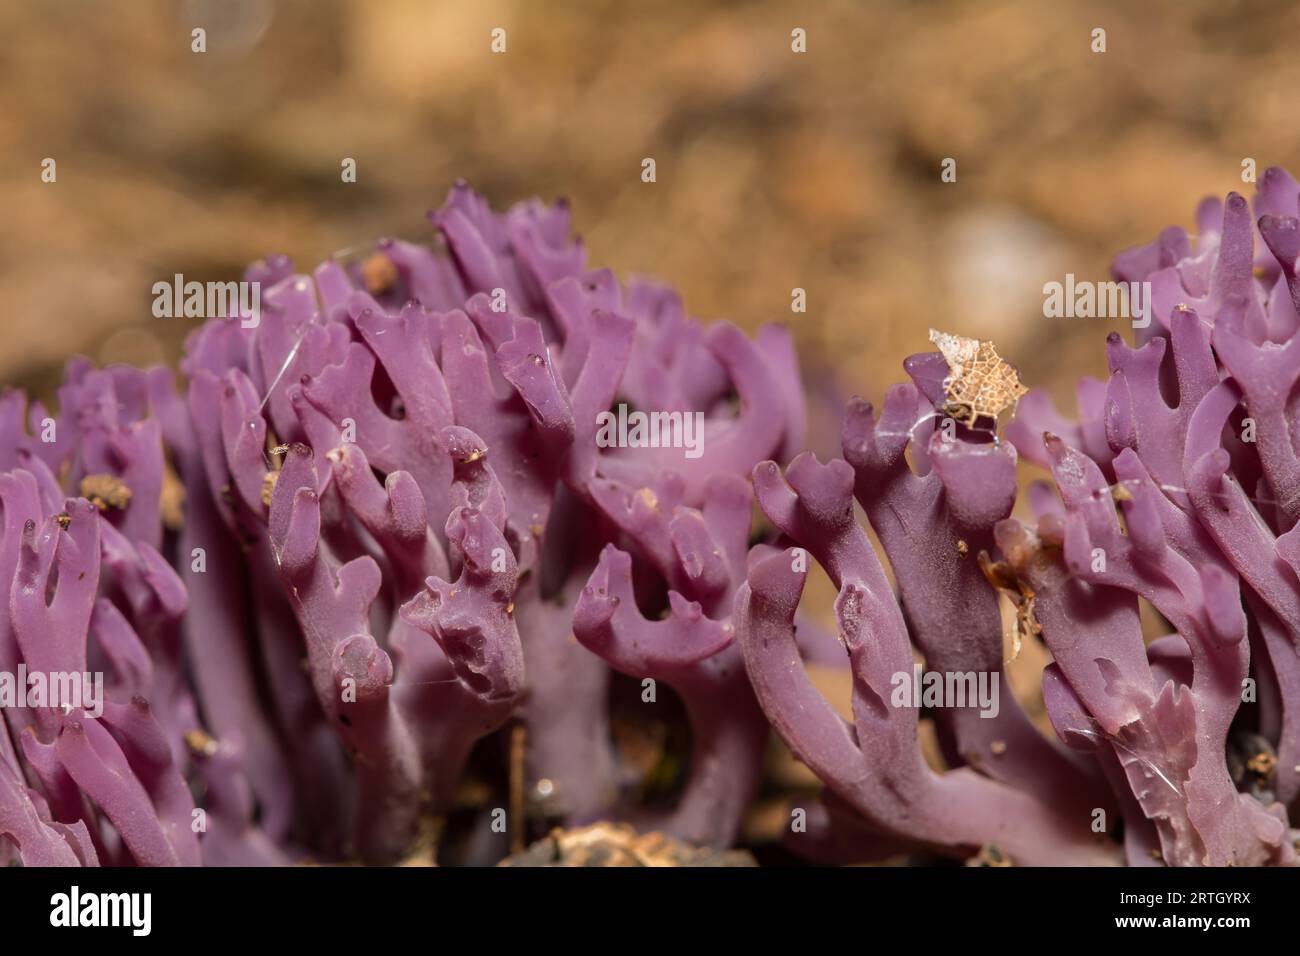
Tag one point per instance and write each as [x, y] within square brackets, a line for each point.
[775, 170]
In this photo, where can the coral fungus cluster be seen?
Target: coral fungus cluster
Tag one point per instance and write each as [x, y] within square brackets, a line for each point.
[377, 525]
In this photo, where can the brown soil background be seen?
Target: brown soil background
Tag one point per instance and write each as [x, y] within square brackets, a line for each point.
[775, 170]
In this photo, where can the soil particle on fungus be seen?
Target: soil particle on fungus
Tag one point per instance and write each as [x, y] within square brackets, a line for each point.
[105, 492]
[268, 486]
[201, 742]
[379, 273]
[609, 844]
[172, 498]
[990, 856]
